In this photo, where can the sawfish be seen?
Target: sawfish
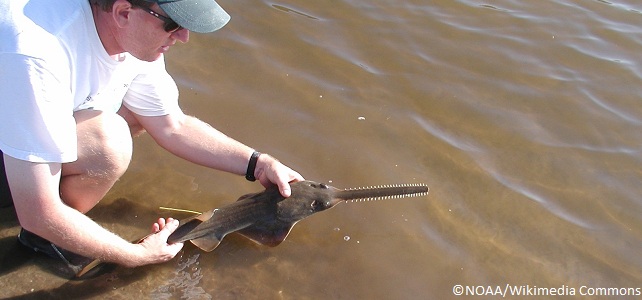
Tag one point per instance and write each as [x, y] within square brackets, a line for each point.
[267, 217]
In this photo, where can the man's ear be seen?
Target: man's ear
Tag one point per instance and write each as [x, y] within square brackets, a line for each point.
[121, 12]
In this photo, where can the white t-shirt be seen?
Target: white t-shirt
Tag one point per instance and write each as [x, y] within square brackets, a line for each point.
[53, 63]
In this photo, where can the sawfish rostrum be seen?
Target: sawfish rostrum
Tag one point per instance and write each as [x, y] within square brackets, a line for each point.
[267, 217]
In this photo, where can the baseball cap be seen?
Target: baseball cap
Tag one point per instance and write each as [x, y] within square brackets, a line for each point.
[195, 15]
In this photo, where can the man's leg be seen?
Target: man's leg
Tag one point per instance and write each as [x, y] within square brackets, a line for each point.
[104, 153]
[5, 193]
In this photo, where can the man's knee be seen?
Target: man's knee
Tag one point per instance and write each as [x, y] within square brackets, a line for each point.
[117, 141]
[104, 143]
[104, 153]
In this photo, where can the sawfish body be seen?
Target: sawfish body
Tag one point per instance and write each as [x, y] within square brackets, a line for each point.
[267, 217]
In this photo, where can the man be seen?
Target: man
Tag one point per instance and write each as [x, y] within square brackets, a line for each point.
[78, 78]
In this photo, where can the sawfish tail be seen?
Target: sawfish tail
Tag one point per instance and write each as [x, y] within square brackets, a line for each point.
[382, 192]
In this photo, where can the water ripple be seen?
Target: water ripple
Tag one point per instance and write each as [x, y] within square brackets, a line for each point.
[534, 195]
[619, 113]
[185, 283]
[291, 10]
[446, 136]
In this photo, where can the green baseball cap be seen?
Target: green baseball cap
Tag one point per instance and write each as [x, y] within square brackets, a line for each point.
[195, 15]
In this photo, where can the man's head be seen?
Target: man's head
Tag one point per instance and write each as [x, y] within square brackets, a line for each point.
[148, 28]
[195, 15]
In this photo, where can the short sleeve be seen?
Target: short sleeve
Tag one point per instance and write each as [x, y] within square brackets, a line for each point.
[36, 111]
[153, 92]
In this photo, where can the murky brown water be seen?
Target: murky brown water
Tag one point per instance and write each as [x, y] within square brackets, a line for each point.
[523, 117]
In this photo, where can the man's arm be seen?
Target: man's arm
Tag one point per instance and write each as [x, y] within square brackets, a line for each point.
[198, 142]
[34, 188]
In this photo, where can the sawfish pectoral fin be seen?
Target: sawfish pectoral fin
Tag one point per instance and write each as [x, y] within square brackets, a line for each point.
[271, 234]
[207, 243]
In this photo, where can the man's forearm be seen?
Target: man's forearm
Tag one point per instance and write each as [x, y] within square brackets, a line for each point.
[200, 143]
[71, 230]
[34, 188]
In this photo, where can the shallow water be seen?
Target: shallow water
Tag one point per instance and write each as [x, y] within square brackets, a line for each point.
[523, 117]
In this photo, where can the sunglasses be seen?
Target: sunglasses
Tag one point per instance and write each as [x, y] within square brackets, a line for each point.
[170, 26]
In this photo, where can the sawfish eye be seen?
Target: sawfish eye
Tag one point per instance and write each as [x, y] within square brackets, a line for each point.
[319, 186]
[316, 205]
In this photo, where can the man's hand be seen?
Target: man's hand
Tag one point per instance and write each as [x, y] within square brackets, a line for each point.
[156, 248]
[271, 171]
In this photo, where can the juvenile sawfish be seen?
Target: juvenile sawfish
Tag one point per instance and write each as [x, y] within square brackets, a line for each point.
[267, 217]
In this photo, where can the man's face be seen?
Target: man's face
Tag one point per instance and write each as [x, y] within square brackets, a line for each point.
[147, 39]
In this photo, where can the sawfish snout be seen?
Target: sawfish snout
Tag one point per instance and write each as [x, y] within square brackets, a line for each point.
[308, 197]
[323, 196]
